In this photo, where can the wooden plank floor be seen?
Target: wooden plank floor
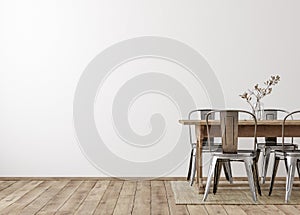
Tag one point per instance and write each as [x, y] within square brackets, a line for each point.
[110, 197]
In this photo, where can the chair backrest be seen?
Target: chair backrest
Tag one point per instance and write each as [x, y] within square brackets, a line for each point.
[273, 114]
[228, 128]
[290, 115]
[201, 115]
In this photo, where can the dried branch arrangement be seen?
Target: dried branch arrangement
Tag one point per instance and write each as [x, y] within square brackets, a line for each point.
[257, 93]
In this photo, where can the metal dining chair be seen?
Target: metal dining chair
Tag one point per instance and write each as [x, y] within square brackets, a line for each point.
[271, 144]
[292, 161]
[228, 130]
[201, 114]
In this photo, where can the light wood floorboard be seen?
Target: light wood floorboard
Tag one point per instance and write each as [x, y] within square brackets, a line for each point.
[71, 205]
[109, 200]
[126, 199]
[26, 199]
[117, 197]
[159, 201]
[142, 201]
[60, 198]
[44, 198]
[92, 200]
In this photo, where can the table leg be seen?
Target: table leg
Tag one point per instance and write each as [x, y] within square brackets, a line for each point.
[199, 134]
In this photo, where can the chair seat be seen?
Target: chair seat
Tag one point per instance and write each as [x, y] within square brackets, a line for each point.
[277, 146]
[235, 156]
[293, 153]
[267, 149]
[212, 148]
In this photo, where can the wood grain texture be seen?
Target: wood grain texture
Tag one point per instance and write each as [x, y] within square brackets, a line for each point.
[159, 202]
[215, 209]
[44, 198]
[234, 210]
[17, 194]
[60, 198]
[287, 209]
[6, 184]
[94, 197]
[109, 200]
[142, 201]
[71, 205]
[26, 199]
[173, 208]
[126, 198]
[12, 188]
[197, 209]
[241, 122]
[116, 197]
[229, 131]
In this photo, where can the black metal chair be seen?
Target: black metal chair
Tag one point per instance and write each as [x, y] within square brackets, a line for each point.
[201, 114]
[228, 130]
[271, 144]
[291, 158]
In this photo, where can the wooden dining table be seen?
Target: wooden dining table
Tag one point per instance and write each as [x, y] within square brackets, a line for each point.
[265, 128]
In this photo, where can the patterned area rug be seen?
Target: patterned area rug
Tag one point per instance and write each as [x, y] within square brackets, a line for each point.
[232, 194]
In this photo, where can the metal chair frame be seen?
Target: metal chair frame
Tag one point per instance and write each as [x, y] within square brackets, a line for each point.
[192, 164]
[271, 144]
[292, 161]
[249, 157]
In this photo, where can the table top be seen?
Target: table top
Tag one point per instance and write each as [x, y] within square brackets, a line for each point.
[241, 122]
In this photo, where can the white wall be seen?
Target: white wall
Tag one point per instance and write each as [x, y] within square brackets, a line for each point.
[46, 45]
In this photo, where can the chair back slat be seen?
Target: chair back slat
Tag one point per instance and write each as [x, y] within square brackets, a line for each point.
[204, 113]
[201, 114]
[270, 114]
[290, 115]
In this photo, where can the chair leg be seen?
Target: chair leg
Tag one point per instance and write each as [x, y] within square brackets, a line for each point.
[275, 167]
[291, 161]
[227, 171]
[190, 166]
[193, 167]
[256, 179]
[249, 166]
[209, 177]
[266, 158]
[298, 168]
[286, 165]
[217, 174]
